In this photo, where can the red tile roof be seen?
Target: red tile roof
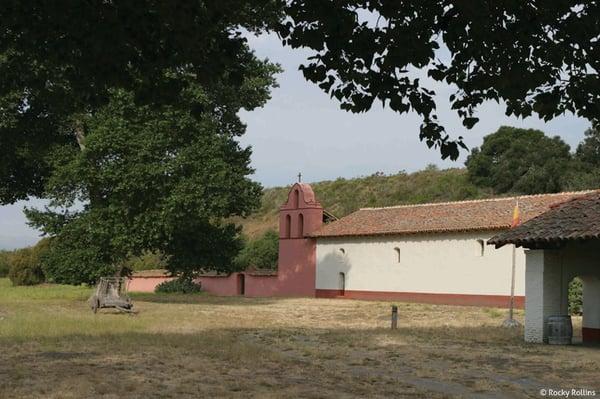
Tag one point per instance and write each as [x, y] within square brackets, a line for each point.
[577, 219]
[485, 214]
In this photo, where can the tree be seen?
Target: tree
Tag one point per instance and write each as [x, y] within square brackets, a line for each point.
[4, 262]
[584, 172]
[536, 57]
[125, 117]
[27, 264]
[262, 253]
[147, 261]
[152, 178]
[521, 161]
[60, 64]
[588, 151]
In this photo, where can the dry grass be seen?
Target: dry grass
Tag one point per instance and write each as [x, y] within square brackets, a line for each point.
[202, 346]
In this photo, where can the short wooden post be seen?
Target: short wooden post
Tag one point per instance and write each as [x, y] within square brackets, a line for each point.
[394, 317]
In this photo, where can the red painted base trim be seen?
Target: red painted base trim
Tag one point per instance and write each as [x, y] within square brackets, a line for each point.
[330, 294]
[590, 334]
[498, 301]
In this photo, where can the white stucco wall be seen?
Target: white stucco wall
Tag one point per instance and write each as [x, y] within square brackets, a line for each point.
[591, 301]
[534, 301]
[448, 263]
[547, 292]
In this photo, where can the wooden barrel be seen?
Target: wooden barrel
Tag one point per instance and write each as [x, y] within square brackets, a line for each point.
[560, 330]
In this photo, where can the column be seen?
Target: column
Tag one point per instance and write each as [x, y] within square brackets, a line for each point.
[545, 293]
[591, 309]
[534, 296]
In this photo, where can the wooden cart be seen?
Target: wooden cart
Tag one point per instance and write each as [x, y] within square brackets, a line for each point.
[111, 292]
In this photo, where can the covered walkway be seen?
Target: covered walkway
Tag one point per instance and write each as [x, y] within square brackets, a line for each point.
[563, 243]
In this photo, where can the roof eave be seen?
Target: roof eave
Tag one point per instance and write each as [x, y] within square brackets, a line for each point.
[402, 233]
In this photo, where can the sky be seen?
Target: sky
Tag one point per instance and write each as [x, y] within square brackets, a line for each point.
[302, 130]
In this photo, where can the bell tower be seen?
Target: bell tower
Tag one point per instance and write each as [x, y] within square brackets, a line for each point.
[300, 216]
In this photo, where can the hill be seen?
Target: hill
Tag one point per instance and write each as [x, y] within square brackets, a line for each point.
[344, 196]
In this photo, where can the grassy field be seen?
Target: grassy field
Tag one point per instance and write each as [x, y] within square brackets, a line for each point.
[53, 346]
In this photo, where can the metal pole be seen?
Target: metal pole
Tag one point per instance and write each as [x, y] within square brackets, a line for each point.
[512, 284]
[511, 322]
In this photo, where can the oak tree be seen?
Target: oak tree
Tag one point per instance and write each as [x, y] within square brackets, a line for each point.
[522, 161]
[58, 65]
[125, 116]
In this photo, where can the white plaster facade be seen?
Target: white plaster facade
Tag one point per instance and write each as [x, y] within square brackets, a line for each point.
[434, 263]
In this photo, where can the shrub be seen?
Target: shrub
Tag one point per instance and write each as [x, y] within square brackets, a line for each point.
[178, 285]
[261, 253]
[4, 263]
[26, 267]
[576, 296]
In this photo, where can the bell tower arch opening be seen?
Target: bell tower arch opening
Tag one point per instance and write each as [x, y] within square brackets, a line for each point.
[300, 225]
[288, 226]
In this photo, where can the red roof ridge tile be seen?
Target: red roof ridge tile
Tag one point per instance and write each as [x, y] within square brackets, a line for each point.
[514, 197]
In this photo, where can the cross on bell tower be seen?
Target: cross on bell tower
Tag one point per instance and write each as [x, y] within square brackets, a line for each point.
[299, 177]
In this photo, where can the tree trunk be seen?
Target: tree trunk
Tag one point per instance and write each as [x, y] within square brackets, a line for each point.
[80, 135]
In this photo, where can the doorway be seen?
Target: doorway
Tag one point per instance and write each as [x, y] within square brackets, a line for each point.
[575, 297]
[342, 284]
[241, 284]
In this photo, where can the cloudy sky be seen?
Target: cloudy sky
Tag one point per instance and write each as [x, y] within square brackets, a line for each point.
[302, 130]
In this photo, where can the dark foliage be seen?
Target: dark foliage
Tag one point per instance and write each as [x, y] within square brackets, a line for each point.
[131, 110]
[4, 263]
[151, 179]
[588, 151]
[59, 63]
[584, 172]
[534, 57]
[80, 253]
[178, 286]
[261, 253]
[576, 296]
[26, 265]
[147, 261]
[524, 161]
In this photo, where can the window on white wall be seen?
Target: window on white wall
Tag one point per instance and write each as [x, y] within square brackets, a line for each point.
[397, 254]
[481, 247]
[342, 251]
